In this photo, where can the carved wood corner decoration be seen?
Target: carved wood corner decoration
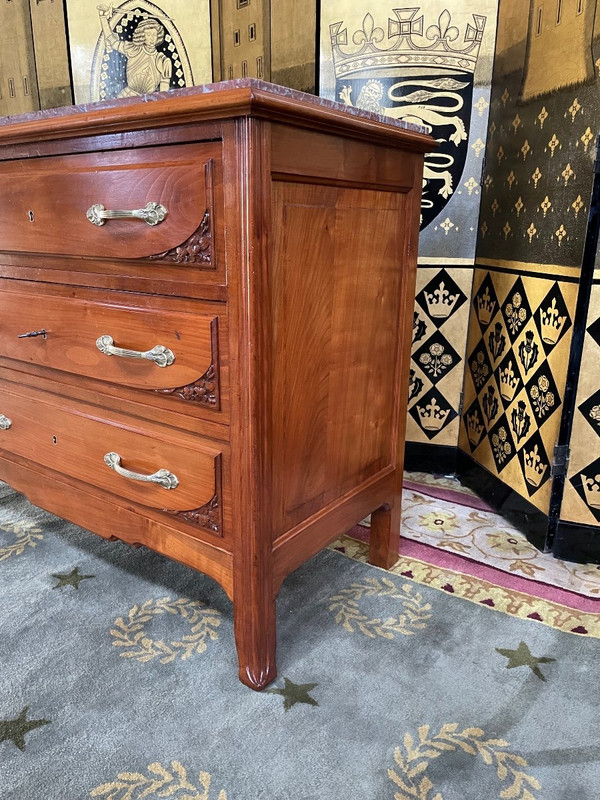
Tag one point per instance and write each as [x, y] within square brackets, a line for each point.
[195, 250]
[206, 390]
[210, 515]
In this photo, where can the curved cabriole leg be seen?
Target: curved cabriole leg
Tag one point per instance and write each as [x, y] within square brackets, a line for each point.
[255, 637]
[384, 540]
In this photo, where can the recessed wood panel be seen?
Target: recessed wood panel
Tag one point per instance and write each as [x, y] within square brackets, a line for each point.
[334, 346]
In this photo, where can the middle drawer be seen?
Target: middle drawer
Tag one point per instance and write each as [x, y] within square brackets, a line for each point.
[127, 341]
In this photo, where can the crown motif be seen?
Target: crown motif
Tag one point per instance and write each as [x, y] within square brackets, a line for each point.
[535, 469]
[409, 43]
[485, 307]
[474, 427]
[440, 303]
[509, 382]
[552, 323]
[591, 488]
[432, 416]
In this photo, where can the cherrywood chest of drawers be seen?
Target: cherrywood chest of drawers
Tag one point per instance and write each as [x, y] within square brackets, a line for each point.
[220, 373]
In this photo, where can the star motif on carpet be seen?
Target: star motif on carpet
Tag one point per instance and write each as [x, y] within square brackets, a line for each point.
[72, 578]
[523, 657]
[15, 730]
[295, 693]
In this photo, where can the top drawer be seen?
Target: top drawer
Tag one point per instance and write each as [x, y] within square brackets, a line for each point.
[46, 203]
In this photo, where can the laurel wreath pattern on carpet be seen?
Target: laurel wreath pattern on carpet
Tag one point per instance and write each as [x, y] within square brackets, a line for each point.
[348, 612]
[26, 533]
[413, 759]
[132, 637]
[158, 782]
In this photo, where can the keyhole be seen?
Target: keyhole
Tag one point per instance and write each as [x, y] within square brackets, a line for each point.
[54, 440]
[31, 216]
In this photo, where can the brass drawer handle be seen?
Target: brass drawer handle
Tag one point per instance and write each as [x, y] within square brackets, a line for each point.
[163, 477]
[152, 213]
[160, 355]
[5, 423]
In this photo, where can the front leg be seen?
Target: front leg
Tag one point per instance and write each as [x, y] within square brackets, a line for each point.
[255, 631]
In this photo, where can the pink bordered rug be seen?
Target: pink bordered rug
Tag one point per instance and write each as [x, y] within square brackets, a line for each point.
[439, 512]
[485, 585]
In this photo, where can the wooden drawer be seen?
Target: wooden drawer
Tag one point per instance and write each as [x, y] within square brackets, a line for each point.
[74, 335]
[75, 439]
[45, 203]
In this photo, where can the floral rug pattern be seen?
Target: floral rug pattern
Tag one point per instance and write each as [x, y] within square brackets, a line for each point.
[481, 535]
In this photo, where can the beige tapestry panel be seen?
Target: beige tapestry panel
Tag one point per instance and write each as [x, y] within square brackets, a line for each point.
[51, 60]
[114, 53]
[517, 354]
[18, 88]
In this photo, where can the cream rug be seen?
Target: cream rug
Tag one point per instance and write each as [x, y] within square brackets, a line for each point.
[441, 513]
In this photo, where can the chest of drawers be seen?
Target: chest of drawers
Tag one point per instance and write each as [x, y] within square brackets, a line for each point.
[205, 315]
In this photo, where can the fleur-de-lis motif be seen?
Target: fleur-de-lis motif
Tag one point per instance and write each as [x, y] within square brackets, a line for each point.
[567, 174]
[525, 149]
[546, 205]
[531, 232]
[587, 138]
[443, 30]
[553, 144]
[574, 108]
[577, 205]
[519, 205]
[369, 32]
[536, 176]
[560, 234]
[543, 116]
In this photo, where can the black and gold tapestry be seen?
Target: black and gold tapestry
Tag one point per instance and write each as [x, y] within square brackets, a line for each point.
[518, 349]
[532, 227]
[430, 65]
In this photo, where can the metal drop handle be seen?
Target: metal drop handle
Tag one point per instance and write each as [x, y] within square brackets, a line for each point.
[152, 213]
[162, 477]
[160, 355]
[5, 423]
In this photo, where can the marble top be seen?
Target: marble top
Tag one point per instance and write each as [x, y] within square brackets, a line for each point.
[211, 88]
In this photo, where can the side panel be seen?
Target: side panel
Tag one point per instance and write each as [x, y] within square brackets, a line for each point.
[336, 268]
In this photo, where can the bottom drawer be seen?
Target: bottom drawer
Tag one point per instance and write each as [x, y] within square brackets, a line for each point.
[122, 456]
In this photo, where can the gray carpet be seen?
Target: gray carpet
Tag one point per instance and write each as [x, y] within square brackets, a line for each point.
[119, 682]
